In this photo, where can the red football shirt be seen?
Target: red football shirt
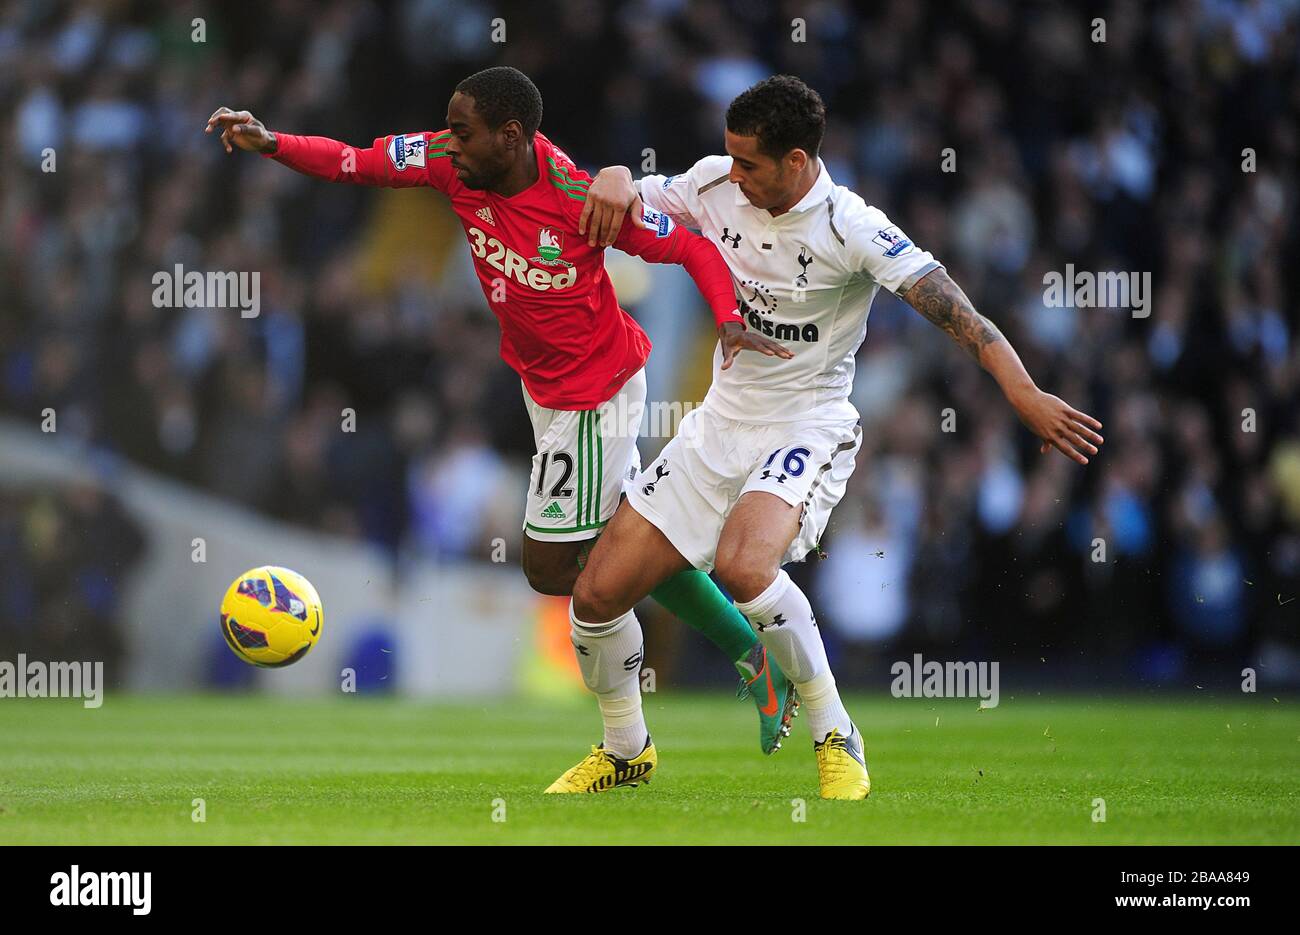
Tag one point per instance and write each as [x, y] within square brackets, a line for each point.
[561, 326]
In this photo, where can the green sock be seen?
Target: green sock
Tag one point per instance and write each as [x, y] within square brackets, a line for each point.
[693, 596]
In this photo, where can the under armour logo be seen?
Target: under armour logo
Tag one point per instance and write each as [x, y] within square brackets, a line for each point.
[766, 474]
[633, 662]
[805, 262]
[733, 239]
[778, 620]
[582, 650]
[661, 471]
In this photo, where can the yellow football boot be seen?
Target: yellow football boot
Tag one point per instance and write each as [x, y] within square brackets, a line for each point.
[601, 770]
[842, 766]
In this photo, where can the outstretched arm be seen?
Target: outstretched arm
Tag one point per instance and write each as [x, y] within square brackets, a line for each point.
[419, 161]
[1059, 425]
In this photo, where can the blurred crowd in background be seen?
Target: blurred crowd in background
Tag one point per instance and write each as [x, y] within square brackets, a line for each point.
[1179, 543]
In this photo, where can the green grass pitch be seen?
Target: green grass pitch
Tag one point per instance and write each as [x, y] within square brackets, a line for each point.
[358, 770]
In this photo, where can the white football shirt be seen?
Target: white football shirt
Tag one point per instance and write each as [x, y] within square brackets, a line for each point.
[806, 278]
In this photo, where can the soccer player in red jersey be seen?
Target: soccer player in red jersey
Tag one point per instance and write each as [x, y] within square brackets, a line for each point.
[580, 357]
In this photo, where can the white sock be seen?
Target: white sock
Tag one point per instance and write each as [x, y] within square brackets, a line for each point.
[822, 704]
[625, 730]
[609, 655]
[785, 624]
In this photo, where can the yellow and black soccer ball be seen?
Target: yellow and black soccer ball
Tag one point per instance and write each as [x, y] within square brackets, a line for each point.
[271, 616]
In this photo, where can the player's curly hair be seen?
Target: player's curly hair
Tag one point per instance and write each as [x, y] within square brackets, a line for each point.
[502, 94]
[783, 112]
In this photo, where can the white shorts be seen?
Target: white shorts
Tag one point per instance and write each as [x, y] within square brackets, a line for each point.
[689, 491]
[584, 459]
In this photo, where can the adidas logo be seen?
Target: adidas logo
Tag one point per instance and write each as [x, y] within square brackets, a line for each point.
[485, 213]
[554, 511]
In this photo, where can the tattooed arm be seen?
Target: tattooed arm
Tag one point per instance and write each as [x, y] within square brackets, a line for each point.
[943, 303]
[1057, 424]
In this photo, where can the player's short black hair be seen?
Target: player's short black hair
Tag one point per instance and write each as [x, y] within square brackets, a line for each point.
[502, 94]
[783, 112]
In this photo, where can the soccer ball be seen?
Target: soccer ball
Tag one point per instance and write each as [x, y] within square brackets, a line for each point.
[271, 616]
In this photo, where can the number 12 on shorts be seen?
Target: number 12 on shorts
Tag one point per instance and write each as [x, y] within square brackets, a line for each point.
[560, 488]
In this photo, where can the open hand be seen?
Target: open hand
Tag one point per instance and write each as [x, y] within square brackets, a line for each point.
[611, 196]
[735, 339]
[1059, 425]
[242, 129]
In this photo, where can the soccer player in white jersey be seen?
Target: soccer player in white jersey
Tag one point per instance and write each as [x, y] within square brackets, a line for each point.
[750, 479]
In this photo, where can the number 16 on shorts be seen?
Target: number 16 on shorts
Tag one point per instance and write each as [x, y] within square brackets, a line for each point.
[791, 466]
